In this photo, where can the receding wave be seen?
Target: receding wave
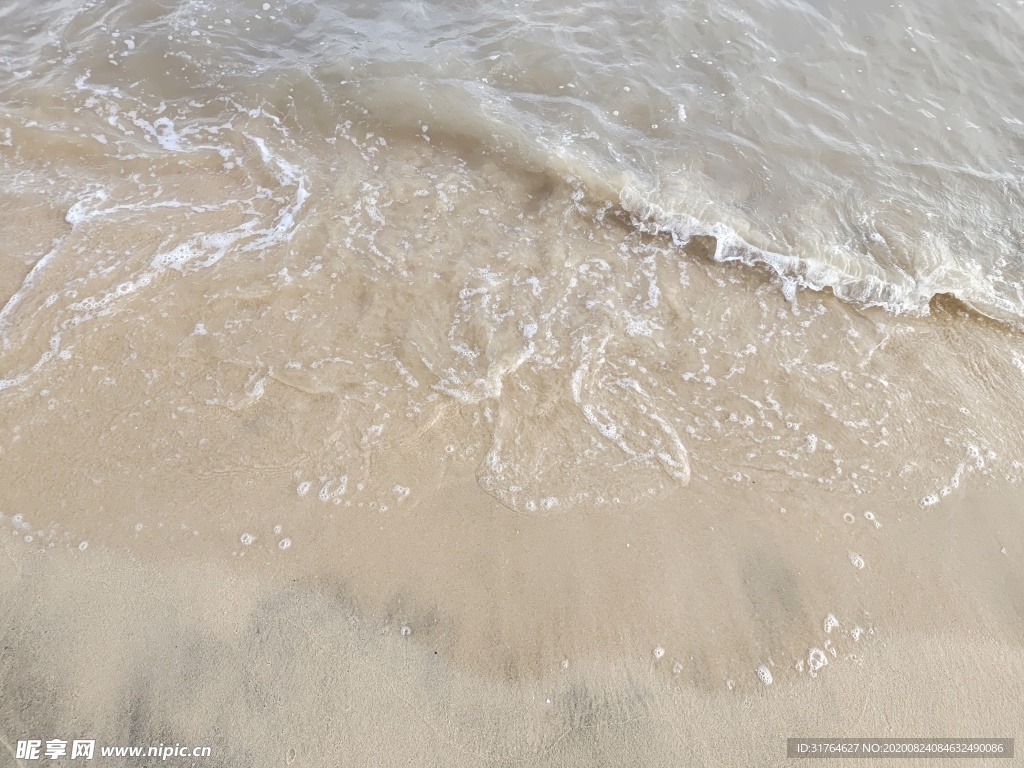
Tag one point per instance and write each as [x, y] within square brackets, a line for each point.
[900, 271]
[852, 277]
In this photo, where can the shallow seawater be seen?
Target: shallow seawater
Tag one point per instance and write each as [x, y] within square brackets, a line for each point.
[557, 383]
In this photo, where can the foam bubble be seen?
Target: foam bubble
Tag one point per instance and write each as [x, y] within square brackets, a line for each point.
[247, 539]
[284, 543]
[326, 494]
[973, 452]
[856, 560]
[816, 659]
[764, 674]
[831, 622]
[659, 652]
[303, 488]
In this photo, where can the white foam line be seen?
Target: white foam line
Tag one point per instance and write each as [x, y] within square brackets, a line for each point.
[30, 278]
[46, 357]
[80, 213]
[289, 175]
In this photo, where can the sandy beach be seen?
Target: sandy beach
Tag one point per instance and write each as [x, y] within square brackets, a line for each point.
[509, 384]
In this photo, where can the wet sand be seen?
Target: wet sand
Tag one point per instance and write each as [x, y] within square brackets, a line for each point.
[449, 632]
